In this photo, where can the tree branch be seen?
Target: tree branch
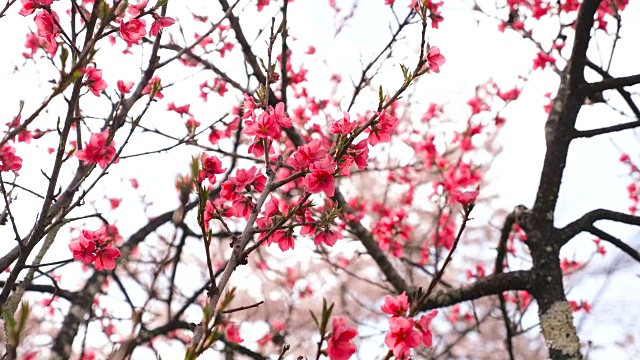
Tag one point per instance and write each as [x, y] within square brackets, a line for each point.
[615, 242]
[612, 83]
[587, 220]
[490, 285]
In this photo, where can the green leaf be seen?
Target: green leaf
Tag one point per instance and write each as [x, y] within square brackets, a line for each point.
[315, 319]
[381, 95]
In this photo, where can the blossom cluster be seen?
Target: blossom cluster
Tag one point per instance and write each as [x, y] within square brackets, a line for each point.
[405, 333]
[95, 247]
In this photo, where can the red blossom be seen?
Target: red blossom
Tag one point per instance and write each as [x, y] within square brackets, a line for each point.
[125, 87]
[343, 126]
[105, 258]
[135, 10]
[183, 109]
[327, 237]
[48, 30]
[340, 345]
[133, 30]
[381, 130]
[93, 80]
[97, 151]
[83, 250]
[395, 306]
[231, 333]
[211, 166]
[423, 326]
[321, 177]
[159, 24]
[402, 337]
[435, 59]
[9, 161]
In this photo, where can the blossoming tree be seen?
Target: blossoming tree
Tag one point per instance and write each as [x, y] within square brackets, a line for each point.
[305, 220]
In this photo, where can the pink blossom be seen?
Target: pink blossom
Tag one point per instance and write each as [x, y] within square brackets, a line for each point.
[435, 59]
[340, 345]
[83, 250]
[284, 239]
[93, 80]
[159, 24]
[231, 332]
[402, 337]
[361, 154]
[105, 258]
[307, 154]
[381, 130]
[9, 161]
[464, 197]
[248, 106]
[262, 4]
[125, 87]
[263, 126]
[155, 82]
[396, 306]
[327, 236]
[211, 166]
[321, 176]
[280, 116]
[183, 109]
[343, 126]
[28, 7]
[135, 10]
[48, 30]
[133, 30]
[423, 326]
[98, 151]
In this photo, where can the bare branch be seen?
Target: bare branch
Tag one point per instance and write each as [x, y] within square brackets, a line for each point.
[587, 220]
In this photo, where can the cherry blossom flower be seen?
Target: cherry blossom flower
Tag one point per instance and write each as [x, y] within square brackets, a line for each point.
[211, 166]
[284, 239]
[48, 30]
[263, 126]
[97, 247]
[343, 126]
[321, 176]
[542, 60]
[154, 83]
[231, 333]
[280, 116]
[262, 4]
[307, 154]
[395, 306]
[340, 345]
[31, 5]
[381, 130]
[435, 59]
[83, 250]
[105, 258]
[402, 337]
[464, 197]
[135, 10]
[159, 24]
[9, 161]
[327, 236]
[361, 154]
[125, 87]
[423, 326]
[133, 30]
[93, 80]
[183, 109]
[97, 151]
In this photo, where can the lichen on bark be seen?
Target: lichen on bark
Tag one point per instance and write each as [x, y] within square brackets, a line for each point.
[558, 330]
